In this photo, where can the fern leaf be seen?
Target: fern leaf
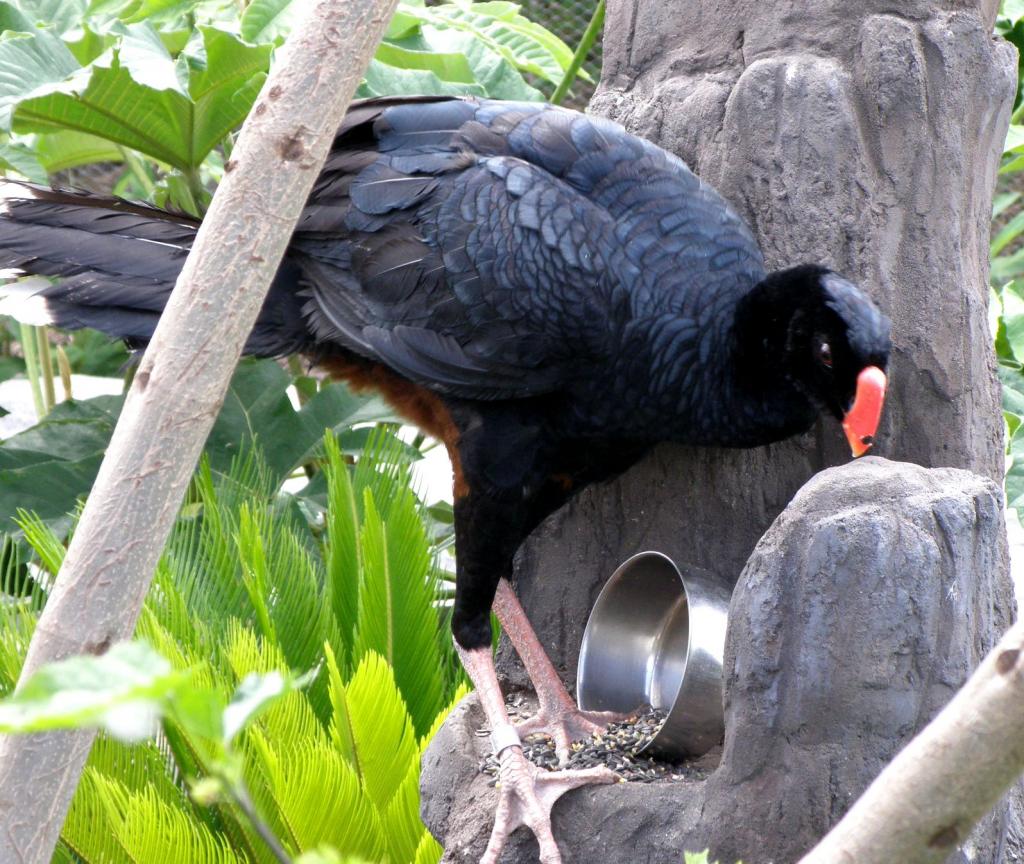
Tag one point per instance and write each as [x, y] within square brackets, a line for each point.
[312, 795]
[402, 817]
[382, 733]
[396, 618]
[341, 551]
[429, 851]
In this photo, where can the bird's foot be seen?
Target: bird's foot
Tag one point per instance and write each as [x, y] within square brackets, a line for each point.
[527, 794]
[564, 723]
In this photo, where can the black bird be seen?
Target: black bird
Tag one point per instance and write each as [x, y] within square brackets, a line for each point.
[544, 292]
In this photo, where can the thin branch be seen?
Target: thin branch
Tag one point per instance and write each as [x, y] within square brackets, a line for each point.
[179, 387]
[926, 801]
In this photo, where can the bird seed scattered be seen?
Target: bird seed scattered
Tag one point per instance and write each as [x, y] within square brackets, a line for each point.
[617, 748]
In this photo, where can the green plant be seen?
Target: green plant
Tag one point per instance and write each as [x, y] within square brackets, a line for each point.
[248, 584]
[156, 88]
[1006, 304]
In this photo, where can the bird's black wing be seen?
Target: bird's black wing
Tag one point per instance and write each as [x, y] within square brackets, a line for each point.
[495, 250]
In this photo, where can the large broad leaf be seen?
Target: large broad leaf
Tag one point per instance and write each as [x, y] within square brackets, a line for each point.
[267, 20]
[61, 15]
[60, 151]
[136, 95]
[51, 466]
[48, 468]
[225, 77]
[382, 79]
[527, 45]
[30, 62]
[450, 66]
[480, 64]
[15, 156]
[258, 412]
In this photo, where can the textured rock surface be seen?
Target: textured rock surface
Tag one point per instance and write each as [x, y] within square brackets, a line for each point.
[861, 611]
[866, 136]
[846, 133]
[855, 135]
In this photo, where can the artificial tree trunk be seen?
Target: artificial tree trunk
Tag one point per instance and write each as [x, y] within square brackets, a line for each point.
[849, 134]
[846, 135]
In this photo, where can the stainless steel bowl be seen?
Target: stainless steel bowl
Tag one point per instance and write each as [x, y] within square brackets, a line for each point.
[657, 636]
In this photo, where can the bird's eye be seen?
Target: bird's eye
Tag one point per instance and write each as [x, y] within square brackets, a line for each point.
[825, 355]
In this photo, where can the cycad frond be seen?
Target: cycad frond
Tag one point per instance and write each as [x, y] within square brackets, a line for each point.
[396, 618]
[402, 816]
[429, 851]
[153, 830]
[342, 555]
[312, 795]
[382, 731]
[285, 586]
[245, 585]
[91, 830]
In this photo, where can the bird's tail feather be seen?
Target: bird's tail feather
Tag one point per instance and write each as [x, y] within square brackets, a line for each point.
[113, 262]
[110, 264]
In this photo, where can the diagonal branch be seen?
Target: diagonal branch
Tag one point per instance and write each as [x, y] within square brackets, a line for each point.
[179, 388]
[926, 801]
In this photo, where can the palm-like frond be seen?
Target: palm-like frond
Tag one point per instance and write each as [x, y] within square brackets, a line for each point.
[247, 584]
[395, 616]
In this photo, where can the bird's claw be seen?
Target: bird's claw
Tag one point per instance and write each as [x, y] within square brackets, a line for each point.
[527, 794]
[565, 723]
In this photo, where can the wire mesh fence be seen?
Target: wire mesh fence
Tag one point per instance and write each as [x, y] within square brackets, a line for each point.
[568, 19]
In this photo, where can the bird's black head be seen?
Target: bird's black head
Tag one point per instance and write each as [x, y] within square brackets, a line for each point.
[818, 335]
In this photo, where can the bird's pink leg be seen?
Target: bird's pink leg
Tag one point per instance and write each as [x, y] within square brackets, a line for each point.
[557, 714]
[527, 793]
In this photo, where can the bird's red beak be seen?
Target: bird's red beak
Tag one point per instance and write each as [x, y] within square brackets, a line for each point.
[861, 421]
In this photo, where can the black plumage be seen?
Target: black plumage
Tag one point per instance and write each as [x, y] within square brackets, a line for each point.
[545, 291]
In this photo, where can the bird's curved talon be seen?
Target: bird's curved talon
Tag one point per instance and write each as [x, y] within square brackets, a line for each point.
[526, 795]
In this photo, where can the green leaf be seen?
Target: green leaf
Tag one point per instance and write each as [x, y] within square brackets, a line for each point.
[28, 63]
[61, 15]
[382, 79]
[528, 46]
[447, 66]
[17, 157]
[200, 711]
[59, 151]
[1014, 138]
[402, 25]
[119, 690]
[1003, 201]
[224, 79]
[1012, 297]
[268, 20]
[254, 695]
[1009, 232]
[394, 617]
[12, 18]
[1012, 10]
[383, 738]
[492, 69]
[86, 44]
[136, 95]
[1007, 267]
[326, 855]
[429, 851]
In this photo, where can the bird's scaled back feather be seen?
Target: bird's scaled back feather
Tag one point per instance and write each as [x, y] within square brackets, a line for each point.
[496, 250]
